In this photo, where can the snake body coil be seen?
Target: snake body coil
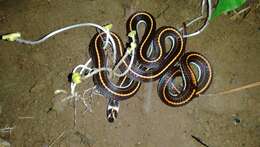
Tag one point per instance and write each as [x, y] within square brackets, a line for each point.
[152, 62]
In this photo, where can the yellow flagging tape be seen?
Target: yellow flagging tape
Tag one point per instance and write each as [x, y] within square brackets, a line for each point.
[76, 78]
[11, 37]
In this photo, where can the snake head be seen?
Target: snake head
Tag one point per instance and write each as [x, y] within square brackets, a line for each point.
[112, 110]
[112, 115]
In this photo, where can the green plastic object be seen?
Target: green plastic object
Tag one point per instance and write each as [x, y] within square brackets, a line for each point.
[226, 6]
[76, 78]
[133, 44]
[11, 37]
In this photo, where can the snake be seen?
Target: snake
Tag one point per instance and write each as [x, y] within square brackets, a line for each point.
[152, 62]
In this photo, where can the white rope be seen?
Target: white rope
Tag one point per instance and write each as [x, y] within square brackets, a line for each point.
[86, 68]
[65, 29]
[200, 18]
[109, 38]
[132, 53]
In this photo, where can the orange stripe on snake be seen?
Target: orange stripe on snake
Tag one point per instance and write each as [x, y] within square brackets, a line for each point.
[158, 64]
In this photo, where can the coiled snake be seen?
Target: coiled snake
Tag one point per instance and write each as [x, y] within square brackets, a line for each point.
[152, 62]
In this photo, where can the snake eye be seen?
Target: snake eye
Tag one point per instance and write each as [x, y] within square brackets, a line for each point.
[115, 114]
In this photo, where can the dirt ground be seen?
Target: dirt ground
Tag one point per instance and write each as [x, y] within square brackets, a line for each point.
[31, 74]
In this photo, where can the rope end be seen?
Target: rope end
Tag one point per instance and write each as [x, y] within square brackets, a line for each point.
[12, 36]
[108, 26]
[133, 44]
[76, 78]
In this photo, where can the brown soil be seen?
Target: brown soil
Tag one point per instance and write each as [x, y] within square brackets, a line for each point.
[31, 74]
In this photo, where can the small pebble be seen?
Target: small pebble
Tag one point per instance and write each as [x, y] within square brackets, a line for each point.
[138, 144]
[45, 145]
[236, 120]
[4, 143]
[2, 19]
